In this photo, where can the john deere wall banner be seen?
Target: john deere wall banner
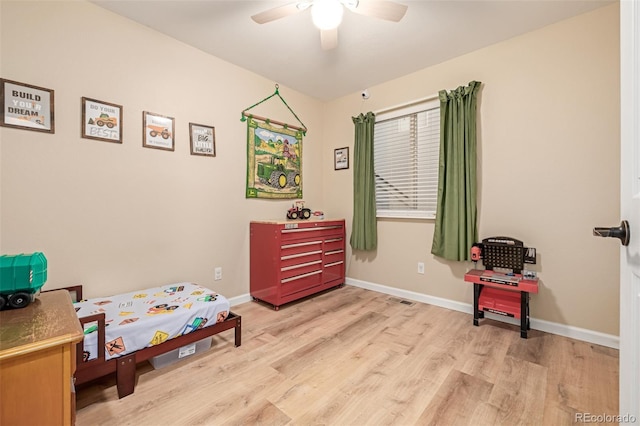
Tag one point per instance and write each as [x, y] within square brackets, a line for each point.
[274, 159]
[274, 155]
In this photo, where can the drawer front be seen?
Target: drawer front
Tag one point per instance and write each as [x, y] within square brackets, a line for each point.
[333, 271]
[334, 243]
[301, 259]
[333, 256]
[300, 269]
[316, 232]
[301, 282]
[291, 250]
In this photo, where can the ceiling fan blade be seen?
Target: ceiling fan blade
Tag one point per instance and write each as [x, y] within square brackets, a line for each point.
[329, 39]
[281, 12]
[388, 10]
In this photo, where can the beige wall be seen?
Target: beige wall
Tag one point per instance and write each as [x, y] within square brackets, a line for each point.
[117, 217]
[548, 164]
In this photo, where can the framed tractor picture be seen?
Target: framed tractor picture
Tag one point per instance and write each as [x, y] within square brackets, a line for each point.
[274, 161]
[158, 131]
[101, 121]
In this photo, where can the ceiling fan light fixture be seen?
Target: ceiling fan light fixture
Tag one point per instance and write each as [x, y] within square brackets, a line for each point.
[304, 5]
[350, 4]
[326, 14]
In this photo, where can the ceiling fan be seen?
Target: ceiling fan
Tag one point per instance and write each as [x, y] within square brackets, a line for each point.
[327, 14]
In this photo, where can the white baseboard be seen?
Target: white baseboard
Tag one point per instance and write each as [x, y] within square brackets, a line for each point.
[585, 335]
[238, 300]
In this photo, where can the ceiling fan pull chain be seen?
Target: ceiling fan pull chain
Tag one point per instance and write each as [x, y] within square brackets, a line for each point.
[286, 126]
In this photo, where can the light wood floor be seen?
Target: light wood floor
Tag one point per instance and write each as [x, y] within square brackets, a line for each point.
[356, 357]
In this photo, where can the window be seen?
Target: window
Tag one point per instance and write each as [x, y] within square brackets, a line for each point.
[406, 150]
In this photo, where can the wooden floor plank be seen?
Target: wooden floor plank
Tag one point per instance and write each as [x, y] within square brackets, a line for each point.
[456, 400]
[528, 382]
[489, 347]
[264, 413]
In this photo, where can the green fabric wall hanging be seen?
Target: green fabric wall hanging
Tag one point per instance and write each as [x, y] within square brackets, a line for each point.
[274, 165]
[274, 155]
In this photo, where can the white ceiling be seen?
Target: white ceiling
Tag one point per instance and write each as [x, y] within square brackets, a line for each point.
[370, 51]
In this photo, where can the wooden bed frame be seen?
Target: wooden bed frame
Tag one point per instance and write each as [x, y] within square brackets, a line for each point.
[125, 366]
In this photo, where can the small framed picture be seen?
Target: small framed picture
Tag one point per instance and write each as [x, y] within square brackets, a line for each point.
[101, 121]
[26, 107]
[158, 131]
[203, 140]
[341, 158]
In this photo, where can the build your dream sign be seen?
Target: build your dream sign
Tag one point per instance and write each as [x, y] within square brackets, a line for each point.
[26, 107]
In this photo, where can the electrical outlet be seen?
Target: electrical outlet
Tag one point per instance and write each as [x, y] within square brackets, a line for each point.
[421, 267]
[218, 273]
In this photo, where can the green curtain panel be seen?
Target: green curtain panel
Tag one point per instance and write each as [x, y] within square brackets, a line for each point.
[364, 233]
[456, 227]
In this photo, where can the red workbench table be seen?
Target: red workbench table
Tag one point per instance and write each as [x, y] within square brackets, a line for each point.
[498, 293]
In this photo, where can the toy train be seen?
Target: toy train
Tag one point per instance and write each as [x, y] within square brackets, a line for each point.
[21, 278]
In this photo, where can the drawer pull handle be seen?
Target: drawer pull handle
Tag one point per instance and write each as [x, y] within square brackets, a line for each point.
[301, 244]
[298, 277]
[333, 264]
[301, 265]
[333, 240]
[334, 252]
[293, 256]
[318, 228]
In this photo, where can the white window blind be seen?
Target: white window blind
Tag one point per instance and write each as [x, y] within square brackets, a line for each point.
[406, 152]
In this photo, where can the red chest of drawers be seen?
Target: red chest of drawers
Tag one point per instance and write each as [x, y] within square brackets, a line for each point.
[290, 260]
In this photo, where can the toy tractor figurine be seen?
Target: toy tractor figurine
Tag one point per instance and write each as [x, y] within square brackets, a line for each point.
[298, 211]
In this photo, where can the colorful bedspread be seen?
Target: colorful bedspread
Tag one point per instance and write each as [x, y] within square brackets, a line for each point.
[149, 317]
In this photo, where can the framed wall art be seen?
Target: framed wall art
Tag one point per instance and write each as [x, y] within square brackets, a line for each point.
[25, 106]
[341, 158]
[101, 121]
[158, 131]
[203, 140]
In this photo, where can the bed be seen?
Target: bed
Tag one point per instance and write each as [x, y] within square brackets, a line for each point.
[137, 326]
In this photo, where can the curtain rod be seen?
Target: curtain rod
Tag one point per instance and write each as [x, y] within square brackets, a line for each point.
[267, 120]
[408, 104]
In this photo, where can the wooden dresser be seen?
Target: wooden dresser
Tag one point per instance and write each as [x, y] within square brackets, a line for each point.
[38, 360]
[295, 258]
